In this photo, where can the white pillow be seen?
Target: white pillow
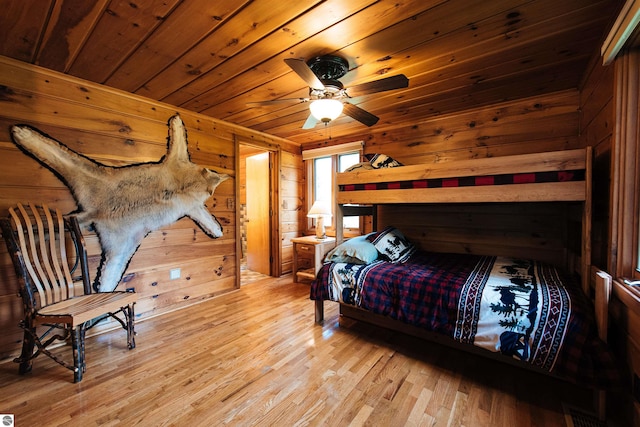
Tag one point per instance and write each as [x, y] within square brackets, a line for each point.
[357, 250]
[360, 166]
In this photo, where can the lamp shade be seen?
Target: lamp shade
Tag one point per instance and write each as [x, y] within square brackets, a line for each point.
[326, 110]
[320, 208]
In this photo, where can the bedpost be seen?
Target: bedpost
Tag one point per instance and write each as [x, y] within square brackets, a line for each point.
[319, 310]
[586, 223]
[339, 222]
[603, 293]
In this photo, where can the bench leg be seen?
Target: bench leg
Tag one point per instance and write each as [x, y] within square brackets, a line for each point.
[26, 356]
[77, 342]
[129, 315]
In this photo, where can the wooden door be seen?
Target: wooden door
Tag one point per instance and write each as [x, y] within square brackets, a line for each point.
[258, 248]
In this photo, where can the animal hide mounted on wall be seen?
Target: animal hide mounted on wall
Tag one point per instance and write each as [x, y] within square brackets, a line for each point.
[125, 203]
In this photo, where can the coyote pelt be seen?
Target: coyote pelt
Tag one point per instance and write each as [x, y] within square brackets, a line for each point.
[124, 204]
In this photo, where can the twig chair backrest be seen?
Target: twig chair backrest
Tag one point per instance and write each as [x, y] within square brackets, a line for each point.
[46, 252]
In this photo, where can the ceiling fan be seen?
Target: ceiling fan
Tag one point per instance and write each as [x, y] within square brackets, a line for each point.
[326, 93]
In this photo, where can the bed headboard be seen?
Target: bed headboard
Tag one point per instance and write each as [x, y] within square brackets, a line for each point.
[546, 231]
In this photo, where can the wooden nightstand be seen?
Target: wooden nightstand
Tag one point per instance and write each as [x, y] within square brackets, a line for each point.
[308, 253]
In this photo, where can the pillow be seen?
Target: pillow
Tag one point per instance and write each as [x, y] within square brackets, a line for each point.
[392, 244]
[360, 166]
[382, 161]
[357, 250]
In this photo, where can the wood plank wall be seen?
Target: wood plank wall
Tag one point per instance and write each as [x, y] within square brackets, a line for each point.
[293, 213]
[527, 230]
[531, 125]
[547, 231]
[597, 129]
[117, 128]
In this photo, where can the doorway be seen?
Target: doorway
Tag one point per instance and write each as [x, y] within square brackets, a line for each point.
[256, 213]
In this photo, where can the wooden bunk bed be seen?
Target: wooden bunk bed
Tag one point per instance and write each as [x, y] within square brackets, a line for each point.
[362, 189]
[561, 176]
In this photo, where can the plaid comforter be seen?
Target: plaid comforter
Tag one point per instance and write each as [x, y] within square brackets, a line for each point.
[519, 308]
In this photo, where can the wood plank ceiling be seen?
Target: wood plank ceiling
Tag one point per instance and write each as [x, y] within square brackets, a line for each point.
[215, 57]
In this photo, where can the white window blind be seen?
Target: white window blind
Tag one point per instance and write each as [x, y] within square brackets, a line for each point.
[331, 150]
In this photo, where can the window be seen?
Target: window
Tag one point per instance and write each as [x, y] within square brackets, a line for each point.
[322, 166]
[322, 179]
[625, 196]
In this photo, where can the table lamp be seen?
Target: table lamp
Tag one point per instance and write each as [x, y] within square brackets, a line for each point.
[320, 210]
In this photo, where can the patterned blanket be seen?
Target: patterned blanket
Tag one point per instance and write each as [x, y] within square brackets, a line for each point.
[516, 307]
[519, 308]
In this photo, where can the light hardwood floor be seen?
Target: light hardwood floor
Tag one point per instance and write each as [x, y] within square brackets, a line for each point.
[255, 357]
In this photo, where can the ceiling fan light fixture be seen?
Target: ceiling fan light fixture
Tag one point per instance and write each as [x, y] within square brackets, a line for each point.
[326, 110]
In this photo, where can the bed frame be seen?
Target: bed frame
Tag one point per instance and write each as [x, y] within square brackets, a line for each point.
[347, 203]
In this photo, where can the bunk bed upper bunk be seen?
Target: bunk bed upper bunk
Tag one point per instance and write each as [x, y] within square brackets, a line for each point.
[548, 176]
[540, 177]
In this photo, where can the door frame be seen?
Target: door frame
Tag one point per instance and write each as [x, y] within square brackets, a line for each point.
[275, 264]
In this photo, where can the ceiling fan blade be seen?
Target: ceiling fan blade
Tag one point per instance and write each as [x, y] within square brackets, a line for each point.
[278, 101]
[302, 69]
[360, 115]
[310, 123]
[380, 85]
